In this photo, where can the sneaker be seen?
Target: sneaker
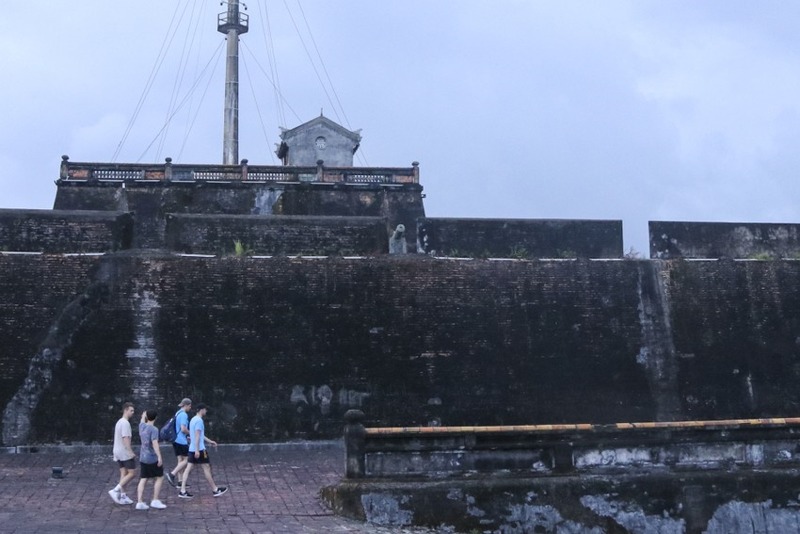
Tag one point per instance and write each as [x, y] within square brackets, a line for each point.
[185, 495]
[170, 479]
[114, 494]
[124, 499]
[141, 506]
[158, 505]
[219, 491]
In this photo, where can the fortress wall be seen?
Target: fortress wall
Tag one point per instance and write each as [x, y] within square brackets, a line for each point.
[521, 238]
[282, 347]
[33, 292]
[64, 231]
[151, 202]
[270, 235]
[671, 239]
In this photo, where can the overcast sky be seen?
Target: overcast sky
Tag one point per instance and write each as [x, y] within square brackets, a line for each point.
[631, 110]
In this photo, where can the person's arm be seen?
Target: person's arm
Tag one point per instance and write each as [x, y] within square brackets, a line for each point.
[197, 440]
[211, 441]
[126, 441]
[157, 448]
[185, 427]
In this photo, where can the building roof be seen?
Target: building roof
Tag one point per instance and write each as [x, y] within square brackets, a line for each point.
[322, 120]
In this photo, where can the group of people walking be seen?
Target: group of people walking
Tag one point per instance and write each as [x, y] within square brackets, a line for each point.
[189, 446]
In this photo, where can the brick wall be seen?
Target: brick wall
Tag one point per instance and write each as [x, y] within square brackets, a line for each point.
[268, 235]
[33, 292]
[282, 347]
[669, 239]
[151, 202]
[64, 231]
[520, 238]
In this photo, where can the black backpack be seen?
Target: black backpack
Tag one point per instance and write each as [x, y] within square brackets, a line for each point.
[168, 432]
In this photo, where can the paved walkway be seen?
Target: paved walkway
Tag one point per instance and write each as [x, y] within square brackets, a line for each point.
[272, 489]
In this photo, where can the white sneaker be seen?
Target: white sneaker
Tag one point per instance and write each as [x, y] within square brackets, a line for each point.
[114, 494]
[157, 504]
[124, 499]
[141, 506]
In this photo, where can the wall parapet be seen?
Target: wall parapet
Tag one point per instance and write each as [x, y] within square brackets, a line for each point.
[538, 450]
[63, 231]
[695, 240]
[520, 238]
[168, 171]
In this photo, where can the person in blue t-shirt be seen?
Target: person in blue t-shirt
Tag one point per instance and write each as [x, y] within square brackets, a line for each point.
[198, 453]
[181, 443]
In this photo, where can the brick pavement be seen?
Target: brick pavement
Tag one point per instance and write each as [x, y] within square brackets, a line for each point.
[273, 489]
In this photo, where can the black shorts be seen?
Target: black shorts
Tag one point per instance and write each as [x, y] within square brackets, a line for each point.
[127, 464]
[202, 460]
[151, 470]
[180, 450]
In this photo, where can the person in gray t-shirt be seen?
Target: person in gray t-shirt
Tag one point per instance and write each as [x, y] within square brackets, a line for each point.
[150, 460]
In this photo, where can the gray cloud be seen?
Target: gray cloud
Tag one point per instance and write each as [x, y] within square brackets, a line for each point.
[619, 110]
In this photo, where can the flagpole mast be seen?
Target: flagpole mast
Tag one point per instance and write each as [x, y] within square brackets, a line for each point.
[232, 24]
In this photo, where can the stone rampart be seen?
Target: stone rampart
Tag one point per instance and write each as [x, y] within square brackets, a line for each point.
[271, 235]
[151, 201]
[282, 347]
[520, 238]
[670, 239]
[64, 231]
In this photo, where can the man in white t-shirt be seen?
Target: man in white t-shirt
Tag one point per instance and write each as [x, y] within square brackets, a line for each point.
[123, 455]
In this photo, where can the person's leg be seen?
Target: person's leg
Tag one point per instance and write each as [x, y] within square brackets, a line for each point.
[186, 477]
[126, 475]
[157, 488]
[116, 491]
[209, 478]
[179, 472]
[140, 490]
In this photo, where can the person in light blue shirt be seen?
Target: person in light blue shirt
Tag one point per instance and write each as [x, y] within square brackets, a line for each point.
[181, 443]
[198, 453]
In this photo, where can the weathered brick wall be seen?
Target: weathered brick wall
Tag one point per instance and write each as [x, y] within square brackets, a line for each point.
[151, 202]
[268, 235]
[736, 331]
[64, 231]
[670, 239]
[33, 292]
[520, 238]
[282, 347]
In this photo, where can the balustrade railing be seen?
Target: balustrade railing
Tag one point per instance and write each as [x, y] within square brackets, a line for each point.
[121, 172]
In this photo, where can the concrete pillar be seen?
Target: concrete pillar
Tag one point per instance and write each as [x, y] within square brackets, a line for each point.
[355, 444]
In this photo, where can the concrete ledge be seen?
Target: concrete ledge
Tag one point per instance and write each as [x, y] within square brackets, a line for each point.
[566, 449]
[718, 502]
